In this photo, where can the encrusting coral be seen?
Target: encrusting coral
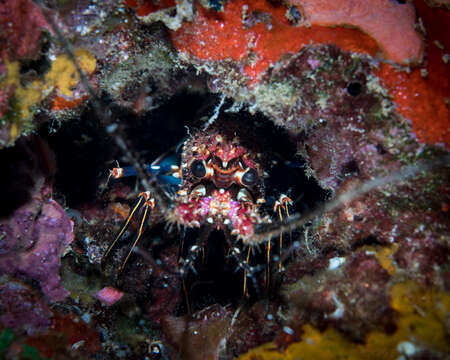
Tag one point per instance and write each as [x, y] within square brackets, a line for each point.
[59, 81]
[36, 234]
[420, 328]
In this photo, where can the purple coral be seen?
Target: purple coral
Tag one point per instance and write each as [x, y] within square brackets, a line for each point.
[22, 309]
[32, 242]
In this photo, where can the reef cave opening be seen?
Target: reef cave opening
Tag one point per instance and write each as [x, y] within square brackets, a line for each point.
[85, 153]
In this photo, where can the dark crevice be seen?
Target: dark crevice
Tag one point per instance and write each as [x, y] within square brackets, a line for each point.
[30, 68]
[370, 240]
[294, 15]
[28, 162]
[350, 168]
[354, 88]
[380, 149]
[85, 153]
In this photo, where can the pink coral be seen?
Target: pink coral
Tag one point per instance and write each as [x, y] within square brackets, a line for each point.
[109, 295]
[377, 18]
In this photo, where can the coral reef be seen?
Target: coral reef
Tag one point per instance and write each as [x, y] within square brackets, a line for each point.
[340, 93]
[257, 34]
[384, 17]
[23, 310]
[422, 94]
[60, 81]
[150, 12]
[36, 234]
[207, 332]
[21, 27]
[418, 335]
[44, 231]
[21, 24]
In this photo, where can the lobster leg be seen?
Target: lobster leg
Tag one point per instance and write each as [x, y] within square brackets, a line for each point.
[280, 206]
[243, 263]
[186, 265]
[268, 264]
[143, 204]
[143, 221]
[245, 271]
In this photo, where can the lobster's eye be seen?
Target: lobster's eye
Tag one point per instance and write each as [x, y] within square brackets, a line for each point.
[250, 177]
[198, 168]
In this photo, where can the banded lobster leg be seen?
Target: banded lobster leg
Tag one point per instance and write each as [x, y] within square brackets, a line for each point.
[142, 208]
[242, 259]
[281, 207]
[167, 173]
[187, 263]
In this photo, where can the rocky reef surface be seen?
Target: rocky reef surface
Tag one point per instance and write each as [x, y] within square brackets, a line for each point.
[340, 98]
